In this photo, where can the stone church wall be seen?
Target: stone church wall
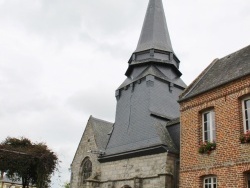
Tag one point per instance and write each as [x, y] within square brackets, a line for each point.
[86, 144]
[151, 171]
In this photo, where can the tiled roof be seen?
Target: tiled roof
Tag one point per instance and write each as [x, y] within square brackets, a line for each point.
[219, 72]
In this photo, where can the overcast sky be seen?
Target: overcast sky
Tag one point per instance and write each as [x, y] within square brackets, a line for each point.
[62, 60]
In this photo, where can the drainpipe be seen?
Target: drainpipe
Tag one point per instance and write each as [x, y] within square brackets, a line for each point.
[176, 172]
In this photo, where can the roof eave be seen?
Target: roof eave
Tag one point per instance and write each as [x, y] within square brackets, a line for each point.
[212, 88]
[136, 153]
[149, 61]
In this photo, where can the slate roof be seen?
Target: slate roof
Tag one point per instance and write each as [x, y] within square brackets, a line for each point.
[168, 137]
[219, 72]
[173, 128]
[102, 130]
[144, 108]
[154, 32]
[154, 71]
[148, 137]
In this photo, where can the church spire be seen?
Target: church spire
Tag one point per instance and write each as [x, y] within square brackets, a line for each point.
[154, 34]
[154, 45]
[147, 99]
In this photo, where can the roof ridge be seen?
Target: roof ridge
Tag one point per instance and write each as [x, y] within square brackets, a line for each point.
[227, 56]
[220, 72]
[92, 117]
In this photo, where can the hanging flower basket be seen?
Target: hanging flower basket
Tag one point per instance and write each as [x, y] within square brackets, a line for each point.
[245, 138]
[207, 147]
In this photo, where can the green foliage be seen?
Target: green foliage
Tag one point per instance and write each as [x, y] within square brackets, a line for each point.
[66, 185]
[245, 138]
[33, 163]
[207, 147]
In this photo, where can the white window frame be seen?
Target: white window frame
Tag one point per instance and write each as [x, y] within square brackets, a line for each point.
[211, 126]
[212, 183]
[245, 119]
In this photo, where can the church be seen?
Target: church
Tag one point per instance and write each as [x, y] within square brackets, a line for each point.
[141, 148]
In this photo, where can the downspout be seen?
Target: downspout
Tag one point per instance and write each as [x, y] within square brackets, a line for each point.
[176, 172]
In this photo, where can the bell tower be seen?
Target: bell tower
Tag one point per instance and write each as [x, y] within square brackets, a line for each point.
[147, 99]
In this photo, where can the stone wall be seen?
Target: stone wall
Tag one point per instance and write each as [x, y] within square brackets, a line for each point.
[86, 144]
[147, 171]
[151, 171]
[231, 159]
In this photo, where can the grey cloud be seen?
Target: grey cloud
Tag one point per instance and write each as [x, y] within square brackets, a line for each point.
[61, 60]
[50, 19]
[63, 19]
[116, 50]
[97, 102]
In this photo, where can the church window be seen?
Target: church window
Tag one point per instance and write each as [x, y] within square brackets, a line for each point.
[126, 186]
[246, 114]
[210, 182]
[86, 168]
[208, 126]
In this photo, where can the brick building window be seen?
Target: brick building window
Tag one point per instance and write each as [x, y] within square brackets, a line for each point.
[208, 126]
[247, 176]
[86, 169]
[210, 182]
[246, 114]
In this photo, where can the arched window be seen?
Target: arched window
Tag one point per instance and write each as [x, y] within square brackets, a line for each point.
[86, 169]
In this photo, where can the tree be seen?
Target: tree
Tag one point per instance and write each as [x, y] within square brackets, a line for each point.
[33, 163]
[66, 185]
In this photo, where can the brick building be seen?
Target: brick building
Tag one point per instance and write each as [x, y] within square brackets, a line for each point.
[215, 111]
[141, 148]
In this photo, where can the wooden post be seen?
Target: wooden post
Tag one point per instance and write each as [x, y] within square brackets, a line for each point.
[1, 179]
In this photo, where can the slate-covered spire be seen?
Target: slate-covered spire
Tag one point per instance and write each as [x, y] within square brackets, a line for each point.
[147, 99]
[154, 34]
[154, 45]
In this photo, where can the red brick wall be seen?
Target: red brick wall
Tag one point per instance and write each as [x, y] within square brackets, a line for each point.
[231, 158]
